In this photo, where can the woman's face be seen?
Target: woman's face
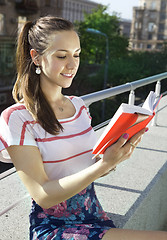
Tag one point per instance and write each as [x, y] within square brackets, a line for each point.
[60, 62]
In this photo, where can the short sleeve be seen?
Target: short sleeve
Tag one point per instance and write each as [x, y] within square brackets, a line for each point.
[87, 108]
[15, 129]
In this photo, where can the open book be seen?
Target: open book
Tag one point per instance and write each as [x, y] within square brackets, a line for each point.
[127, 119]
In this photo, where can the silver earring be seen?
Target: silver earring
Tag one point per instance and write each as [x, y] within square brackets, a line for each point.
[38, 70]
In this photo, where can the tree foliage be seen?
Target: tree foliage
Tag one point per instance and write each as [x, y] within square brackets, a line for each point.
[93, 45]
[136, 65]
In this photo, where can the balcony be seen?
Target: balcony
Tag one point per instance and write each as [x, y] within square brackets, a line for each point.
[134, 196]
[26, 7]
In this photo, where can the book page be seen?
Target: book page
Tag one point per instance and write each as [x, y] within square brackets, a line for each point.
[140, 118]
[149, 102]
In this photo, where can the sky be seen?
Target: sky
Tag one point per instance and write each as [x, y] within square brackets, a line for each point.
[123, 7]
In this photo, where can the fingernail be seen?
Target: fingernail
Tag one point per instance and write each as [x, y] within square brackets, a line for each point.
[126, 135]
[146, 130]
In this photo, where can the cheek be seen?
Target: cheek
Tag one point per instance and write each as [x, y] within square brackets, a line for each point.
[50, 67]
[56, 67]
[45, 65]
[77, 63]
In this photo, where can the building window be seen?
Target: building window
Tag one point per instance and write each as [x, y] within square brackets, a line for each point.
[139, 14]
[150, 36]
[162, 16]
[149, 46]
[161, 27]
[141, 46]
[153, 5]
[153, 14]
[1, 24]
[163, 5]
[138, 25]
[151, 27]
[160, 37]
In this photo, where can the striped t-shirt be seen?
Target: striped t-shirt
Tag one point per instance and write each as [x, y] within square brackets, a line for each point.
[64, 154]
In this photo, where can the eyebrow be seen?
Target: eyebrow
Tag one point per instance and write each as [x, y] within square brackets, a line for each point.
[63, 50]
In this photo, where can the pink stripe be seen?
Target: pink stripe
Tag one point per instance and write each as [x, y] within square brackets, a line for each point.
[3, 141]
[63, 137]
[71, 97]
[6, 113]
[24, 130]
[66, 159]
[77, 116]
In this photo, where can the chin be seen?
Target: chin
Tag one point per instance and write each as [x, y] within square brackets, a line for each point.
[67, 84]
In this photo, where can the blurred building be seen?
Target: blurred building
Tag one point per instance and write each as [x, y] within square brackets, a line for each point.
[149, 25]
[125, 27]
[14, 13]
[74, 9]
[12, 16]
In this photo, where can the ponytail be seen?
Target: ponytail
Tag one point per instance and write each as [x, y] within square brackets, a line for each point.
[27, 85]
[23, 62]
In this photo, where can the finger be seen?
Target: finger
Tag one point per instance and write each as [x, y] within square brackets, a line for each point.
[138, 136]
[122, 140]
[133, 144]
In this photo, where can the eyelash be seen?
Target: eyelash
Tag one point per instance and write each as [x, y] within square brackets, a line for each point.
[65, 57]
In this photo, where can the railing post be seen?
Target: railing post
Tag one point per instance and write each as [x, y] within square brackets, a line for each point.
[158, 88]
[157, 92]
[132, 97]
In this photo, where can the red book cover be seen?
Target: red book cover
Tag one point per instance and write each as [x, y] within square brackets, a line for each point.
[128, 119]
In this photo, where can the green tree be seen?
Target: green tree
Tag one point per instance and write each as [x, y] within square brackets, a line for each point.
[136, 65]
[93, 45]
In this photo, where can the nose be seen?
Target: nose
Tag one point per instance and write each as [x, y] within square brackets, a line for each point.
[72, 63]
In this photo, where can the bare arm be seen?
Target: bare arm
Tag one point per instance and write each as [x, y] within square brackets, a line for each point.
[47, 193]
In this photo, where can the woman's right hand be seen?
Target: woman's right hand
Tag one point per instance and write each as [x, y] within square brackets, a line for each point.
[121, 150]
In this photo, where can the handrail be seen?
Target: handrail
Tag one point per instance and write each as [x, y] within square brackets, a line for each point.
[100, 95]
[7, 173]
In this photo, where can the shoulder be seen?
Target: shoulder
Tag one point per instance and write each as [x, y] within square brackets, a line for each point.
[76, 100]
[80, 105]
[14, 112]
[15, 128]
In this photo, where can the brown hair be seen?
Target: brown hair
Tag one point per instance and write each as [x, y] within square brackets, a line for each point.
[35, 35]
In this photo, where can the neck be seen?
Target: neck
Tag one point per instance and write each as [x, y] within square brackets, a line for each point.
[55, 99]
[53, 94]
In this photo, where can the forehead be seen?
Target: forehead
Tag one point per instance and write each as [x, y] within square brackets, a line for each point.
[67, 40]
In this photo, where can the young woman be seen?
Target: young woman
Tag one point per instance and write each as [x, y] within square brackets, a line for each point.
[49, 139]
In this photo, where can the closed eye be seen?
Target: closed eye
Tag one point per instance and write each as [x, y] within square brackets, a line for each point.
[61, 57]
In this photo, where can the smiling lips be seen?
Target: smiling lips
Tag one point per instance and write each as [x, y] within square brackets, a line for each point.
[67, 75]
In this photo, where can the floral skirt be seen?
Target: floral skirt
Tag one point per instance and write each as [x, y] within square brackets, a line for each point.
[79, 218]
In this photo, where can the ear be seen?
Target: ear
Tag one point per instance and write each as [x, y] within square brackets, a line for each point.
[35, 57]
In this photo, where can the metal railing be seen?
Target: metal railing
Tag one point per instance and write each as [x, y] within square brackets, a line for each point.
[100, 95]
[132, 86]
